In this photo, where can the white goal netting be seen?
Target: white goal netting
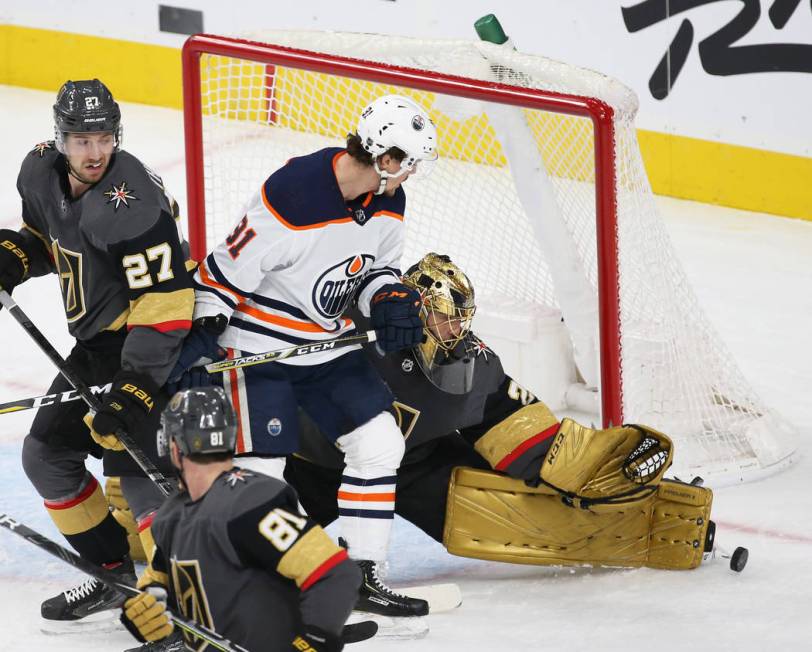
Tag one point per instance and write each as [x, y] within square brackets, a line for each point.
[513, 201]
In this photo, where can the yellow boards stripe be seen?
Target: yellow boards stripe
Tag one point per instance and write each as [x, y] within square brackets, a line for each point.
[135, 72]
[729, 175]
[679, 166]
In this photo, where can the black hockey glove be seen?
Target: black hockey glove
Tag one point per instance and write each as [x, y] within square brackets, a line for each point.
[126, 407]
[317, 640]
[13, 259]
[395, 317]
[199, 348]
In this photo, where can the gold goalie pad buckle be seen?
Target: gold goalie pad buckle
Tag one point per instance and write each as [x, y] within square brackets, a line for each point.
[491, 516]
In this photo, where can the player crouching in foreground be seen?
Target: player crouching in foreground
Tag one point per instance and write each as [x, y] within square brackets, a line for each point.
[491, 473]
[232, 549]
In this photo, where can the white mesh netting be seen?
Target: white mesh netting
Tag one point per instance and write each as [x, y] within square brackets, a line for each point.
[676, 374]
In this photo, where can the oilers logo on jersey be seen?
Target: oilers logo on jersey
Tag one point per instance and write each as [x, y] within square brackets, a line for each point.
[336, 286]
[298, 258]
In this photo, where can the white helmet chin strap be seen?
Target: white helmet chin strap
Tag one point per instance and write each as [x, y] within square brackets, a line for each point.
[385, 176]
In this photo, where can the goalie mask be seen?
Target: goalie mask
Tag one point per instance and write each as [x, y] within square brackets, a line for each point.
[200, 421]
[448, 306]
[395, 121]
[84, 107]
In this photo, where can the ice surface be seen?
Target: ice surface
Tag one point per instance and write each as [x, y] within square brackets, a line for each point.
[753, 276]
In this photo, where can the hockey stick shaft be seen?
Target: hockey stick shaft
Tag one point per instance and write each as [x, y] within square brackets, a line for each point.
[215, 367]
[87, 396]
[111, 580]
[50, 399]
[290, 352]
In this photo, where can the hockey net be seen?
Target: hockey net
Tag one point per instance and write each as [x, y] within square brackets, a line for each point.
[540, 195]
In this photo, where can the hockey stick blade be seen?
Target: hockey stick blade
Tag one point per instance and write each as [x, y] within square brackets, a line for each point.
[441, 597]
[357, 632]
[290, 352]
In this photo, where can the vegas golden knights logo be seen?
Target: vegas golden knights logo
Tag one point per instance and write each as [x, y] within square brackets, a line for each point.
[69, 269]
[192, 600]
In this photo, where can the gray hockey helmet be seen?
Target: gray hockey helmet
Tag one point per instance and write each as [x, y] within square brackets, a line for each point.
[86, 106]
[200, 420]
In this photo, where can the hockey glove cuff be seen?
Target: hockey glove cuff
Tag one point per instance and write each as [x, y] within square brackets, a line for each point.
[145, 616]
[14, 259]
[395, 317]
[125, 407]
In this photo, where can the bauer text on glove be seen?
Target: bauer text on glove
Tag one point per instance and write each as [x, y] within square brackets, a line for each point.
[125, 407]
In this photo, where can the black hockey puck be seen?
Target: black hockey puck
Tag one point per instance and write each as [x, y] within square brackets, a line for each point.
[710, 536]
[738, 560]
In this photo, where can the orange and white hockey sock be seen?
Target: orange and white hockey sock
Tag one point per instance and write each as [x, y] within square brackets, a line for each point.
[366, 509]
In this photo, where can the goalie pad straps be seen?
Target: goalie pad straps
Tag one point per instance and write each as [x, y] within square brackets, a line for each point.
[123, 514]
[517, 445]
[490, 516]
[612, 466]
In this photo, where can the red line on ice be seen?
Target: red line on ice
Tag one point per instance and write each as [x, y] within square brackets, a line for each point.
[773, 534]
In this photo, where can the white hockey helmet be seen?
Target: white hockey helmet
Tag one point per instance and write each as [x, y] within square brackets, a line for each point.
[396, 121]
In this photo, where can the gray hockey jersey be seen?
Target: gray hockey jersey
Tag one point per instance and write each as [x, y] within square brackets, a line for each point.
[243, 560]
[118, 253]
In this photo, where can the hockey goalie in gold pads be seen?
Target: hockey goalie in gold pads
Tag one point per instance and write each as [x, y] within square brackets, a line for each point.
[600, 499]
[489, 470]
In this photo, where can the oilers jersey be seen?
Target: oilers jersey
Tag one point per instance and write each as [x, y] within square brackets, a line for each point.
[297, 259]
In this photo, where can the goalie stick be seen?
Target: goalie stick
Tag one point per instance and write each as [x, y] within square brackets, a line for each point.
[69, 374]
[353, 633]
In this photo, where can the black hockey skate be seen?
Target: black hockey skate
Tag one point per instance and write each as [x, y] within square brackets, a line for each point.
[90, 597]
[376, 598]
[172, 643]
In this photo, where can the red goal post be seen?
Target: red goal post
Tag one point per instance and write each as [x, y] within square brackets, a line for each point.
[597, 111]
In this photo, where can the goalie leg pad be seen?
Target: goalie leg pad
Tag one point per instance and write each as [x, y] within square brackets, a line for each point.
[490, 516]
[123, 514]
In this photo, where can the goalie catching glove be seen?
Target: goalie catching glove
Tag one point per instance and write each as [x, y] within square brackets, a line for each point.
[586, 466]
[125, 407]
[612, 466]
[395, 317]
[145, 616]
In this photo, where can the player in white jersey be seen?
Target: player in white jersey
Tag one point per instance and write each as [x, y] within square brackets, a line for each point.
[324, 231]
